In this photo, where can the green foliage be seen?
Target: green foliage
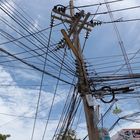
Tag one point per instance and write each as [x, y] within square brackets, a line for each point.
[4, 137]
[70, 135]
[117, 110]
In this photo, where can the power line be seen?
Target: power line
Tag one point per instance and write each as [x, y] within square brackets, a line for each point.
[110, 61]
[38, 69]
[41, 83]
[25, 36]
[121, 21]
[120, 41]
[117, 10]
[65, 109]
[17, 21]
[111, 66]
[71, 114]
[27, 15]
[67, 113]
[56, 88]
[21, 116]
[108, 56]
[91, 5]
[52, 69]
[34, 50]
[124, 117]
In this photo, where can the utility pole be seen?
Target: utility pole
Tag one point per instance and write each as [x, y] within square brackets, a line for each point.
[72, 40]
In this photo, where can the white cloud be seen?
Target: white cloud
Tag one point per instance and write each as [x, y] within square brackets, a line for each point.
[22, 102]
[27, 74]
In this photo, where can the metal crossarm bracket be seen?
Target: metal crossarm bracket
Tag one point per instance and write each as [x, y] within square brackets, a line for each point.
[83, 23]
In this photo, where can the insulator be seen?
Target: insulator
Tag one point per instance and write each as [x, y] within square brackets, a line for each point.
[69, 30]
[59, 43]
[56, 49]
[99, 23]
[78, 71]
[87, 35]
[85, 63]
[77, 68]
[55, 8]
[59, 9]
[76, 64]
[91, 21]
[77, 15]
[86, 69]
[86, 66]
[62, 41]
[63, 9]
[52, 22]
[95, 23]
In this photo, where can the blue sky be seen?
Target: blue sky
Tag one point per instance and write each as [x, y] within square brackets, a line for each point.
[19, 84]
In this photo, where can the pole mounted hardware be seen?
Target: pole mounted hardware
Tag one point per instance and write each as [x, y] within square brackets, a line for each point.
[78, 22]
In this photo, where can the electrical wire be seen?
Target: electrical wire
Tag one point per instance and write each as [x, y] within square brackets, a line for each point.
[25, 13]
[72, 113]
[56, 88]
[23, 27]
[121, 21]
[33, 51]
[124, 117]
[65, 108]
[121, 44]
[21, 116]
[44, 47]
[38, 69]
[25, 36]
[98, 4]
[117, 10]
[41, 83]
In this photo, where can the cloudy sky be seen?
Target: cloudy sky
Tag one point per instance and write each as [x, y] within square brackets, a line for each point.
[20, 84]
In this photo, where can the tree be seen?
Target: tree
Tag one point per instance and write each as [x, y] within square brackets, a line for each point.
[70, 135]
[4, 137]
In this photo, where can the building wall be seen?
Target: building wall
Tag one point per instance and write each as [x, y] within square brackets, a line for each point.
[127, 134]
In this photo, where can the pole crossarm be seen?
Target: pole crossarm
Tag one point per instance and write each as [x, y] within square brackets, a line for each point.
[83, 23]
[73, 19]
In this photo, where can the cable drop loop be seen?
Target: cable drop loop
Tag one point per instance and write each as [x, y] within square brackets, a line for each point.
[108, 99]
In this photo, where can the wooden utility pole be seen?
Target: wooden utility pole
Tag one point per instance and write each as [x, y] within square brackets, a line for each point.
[84, 83]
[72, 40]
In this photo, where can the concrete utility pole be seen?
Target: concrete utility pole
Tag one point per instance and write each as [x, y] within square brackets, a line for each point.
[72, 40]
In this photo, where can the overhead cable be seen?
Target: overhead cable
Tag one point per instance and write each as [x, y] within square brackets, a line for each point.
[91, 5]
[38, 69]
